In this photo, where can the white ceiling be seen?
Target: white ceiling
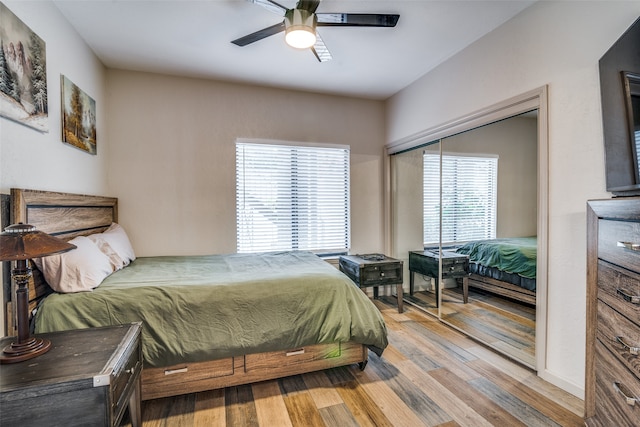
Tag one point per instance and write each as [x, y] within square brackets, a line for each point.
[193, 38]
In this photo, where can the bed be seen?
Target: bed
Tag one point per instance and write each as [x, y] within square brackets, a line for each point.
[504, 266]
[208, 321]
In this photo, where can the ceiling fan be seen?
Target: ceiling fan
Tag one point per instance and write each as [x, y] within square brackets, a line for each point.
[300, 25]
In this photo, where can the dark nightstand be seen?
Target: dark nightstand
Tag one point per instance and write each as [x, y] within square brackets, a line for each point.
[88, 377]
[374, 270]
[454, 266]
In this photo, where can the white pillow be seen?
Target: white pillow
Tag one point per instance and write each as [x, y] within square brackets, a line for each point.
[115, 243]
[116, 262]
[81, 269]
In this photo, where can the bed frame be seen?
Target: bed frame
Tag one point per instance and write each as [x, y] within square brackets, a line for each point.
[504, 289]
[69, 215]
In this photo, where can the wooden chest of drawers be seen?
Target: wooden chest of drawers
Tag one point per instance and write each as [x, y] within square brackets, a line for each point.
[612, 380]
[87, 378]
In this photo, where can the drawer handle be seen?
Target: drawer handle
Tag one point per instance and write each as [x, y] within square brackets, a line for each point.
[176, 371]
[630, 245]
[632, 350]
[633, 299]
[294, 352]
[624, 391]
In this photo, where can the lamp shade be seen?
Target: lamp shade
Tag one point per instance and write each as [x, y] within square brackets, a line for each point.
[24, 241]
[300, 28]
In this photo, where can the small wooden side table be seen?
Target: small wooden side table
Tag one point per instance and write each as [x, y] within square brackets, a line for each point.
[88, 377]
[454, 266]
[374, 270]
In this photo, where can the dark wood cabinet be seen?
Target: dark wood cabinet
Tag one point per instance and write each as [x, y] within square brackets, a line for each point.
[88, 378]
[374, 270]
[612, 386]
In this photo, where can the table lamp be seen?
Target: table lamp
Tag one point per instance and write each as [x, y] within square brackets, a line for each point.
[21, 242]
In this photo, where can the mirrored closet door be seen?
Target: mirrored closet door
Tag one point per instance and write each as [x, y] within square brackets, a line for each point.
[465, 215]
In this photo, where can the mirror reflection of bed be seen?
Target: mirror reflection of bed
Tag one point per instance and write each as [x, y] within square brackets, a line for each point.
[501, 309]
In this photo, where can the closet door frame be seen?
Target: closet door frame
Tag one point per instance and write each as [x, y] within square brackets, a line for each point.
[533, 100]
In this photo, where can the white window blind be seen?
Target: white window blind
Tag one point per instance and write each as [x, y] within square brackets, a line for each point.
[469, 197]
[292, 198]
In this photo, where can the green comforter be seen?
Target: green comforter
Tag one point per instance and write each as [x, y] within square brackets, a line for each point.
[196, 308]
[514, 255]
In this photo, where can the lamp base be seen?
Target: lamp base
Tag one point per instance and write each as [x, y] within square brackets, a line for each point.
[33, 347]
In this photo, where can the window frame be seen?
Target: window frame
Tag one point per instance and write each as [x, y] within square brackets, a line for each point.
[490, 217]
[295, 240]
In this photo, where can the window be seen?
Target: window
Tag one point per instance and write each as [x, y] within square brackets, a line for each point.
[469, 197]
[292, 198]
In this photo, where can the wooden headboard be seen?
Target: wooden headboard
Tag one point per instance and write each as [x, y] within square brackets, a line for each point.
[63, 215]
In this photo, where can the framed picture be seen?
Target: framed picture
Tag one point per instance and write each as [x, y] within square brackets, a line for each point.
[78, 117]
[23, 73]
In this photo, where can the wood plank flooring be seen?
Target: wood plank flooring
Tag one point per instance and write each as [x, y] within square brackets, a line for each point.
[506, 325]
[430, 375]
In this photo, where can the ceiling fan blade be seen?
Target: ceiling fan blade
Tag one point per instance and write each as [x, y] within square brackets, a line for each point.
[271, 6]
[309, 5]
[357, 19]
[259, 35]
[320, 50]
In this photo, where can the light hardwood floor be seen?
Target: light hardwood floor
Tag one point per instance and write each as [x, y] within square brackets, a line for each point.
[430, 375]
[504, 324]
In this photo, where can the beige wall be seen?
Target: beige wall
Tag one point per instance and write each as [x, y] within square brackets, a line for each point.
[32, 159]
[554, 43]
[172, 155]
[37, 160]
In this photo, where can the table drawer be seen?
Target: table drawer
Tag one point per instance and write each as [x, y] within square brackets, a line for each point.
[456, 267]
[620, 336]
[611, 236]
[610, 403]
[381, 274]
[620, 289]
[125, 377]
[367, 273]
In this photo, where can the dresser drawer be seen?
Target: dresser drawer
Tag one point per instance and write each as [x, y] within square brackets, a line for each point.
[610, 403]
[620, 289]
[611, 235]
[620, 336]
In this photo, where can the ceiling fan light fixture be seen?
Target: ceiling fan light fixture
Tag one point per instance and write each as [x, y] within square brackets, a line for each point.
[300, 28]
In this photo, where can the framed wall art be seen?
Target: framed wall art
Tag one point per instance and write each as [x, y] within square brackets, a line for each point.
[23, 73]
[78, 117]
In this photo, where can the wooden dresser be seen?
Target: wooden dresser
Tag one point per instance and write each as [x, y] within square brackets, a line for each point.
[612, 380]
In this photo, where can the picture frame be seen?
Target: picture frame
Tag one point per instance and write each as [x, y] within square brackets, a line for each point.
[78, 117]
[23, 73]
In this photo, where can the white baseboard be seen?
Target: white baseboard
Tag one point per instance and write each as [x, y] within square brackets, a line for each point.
[567, 386]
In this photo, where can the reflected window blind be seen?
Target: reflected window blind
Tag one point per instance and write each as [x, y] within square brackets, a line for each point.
[469, 197]
[292, 198]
